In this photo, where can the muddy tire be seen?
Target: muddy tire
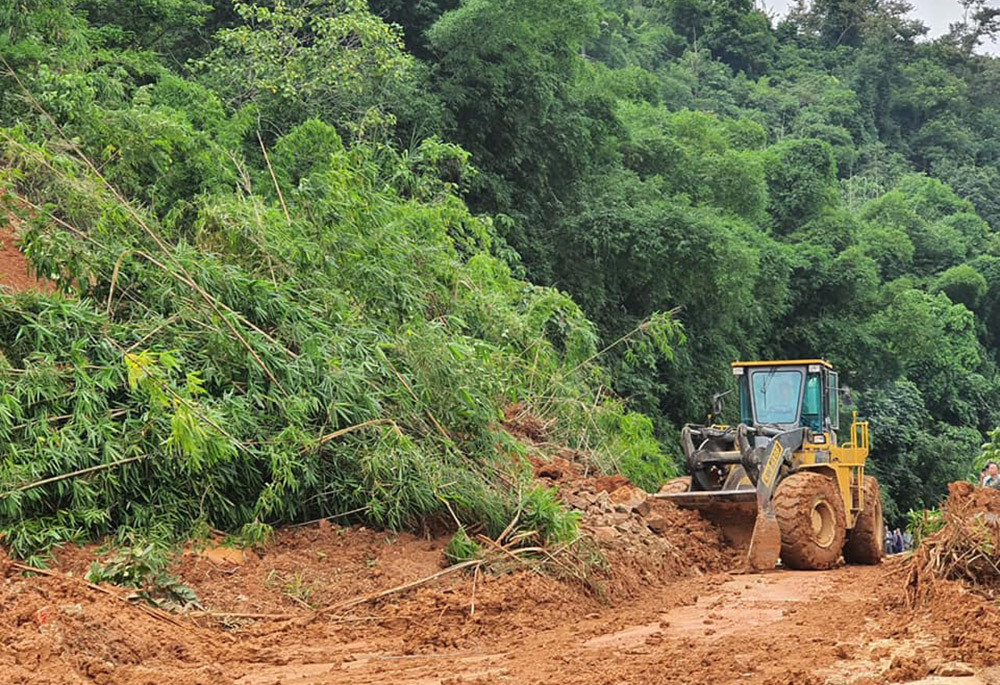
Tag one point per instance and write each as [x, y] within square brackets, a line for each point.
[866, 543]
[811, 518]
[675, 485]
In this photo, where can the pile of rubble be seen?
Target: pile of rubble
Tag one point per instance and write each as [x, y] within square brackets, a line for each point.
[632, 529]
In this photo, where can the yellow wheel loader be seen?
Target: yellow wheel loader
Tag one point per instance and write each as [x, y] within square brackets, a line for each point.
[782, 482]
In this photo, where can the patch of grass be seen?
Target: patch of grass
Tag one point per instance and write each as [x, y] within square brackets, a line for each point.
[462, 548]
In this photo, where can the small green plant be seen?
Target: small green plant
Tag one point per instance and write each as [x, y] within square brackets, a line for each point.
[298, 588]
[295, 586]
[462, 548]
[921, 524]
[145, 569]
[255, 534]
[545, 514]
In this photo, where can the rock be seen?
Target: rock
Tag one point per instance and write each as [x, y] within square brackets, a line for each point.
[549, 471]
[618, 519]
[657, 523]
[644, 508]
[954, 669]
[603, 502]
[628, 498]
[605, 534]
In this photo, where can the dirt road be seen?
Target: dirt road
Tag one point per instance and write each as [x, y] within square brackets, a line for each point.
[665, 604]
[782, 627]
[845, 626]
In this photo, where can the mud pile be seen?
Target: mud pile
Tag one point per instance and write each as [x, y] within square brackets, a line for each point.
[270, 609]
[14, 271]
[57, 630]
[646, 541]
[966, 548]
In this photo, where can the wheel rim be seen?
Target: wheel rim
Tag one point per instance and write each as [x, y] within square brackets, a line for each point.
[823, 523]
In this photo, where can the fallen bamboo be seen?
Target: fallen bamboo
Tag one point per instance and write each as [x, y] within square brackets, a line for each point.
[73, 474]
[400, 588]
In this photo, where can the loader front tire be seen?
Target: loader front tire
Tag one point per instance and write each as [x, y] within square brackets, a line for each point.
[676, 485]
[810, 513]
[866, 543]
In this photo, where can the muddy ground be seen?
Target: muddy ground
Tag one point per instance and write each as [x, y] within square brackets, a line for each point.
[848, 625]
[669, 605]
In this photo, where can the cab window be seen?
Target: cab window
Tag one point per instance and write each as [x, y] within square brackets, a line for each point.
[746, 412]
[812, 403]
[776, 395]
[834, 400]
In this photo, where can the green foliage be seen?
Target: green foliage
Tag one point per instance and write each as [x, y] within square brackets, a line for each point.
[145, 568]
[800, 179]
[963, 285]
[924, 523]
[506, 72]
[343, 342]
[462, 548]
[990, 450]
[298, 60]
[544, 514]
[287, 252]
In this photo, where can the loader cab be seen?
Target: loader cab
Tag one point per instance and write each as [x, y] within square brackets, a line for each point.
[788, 394]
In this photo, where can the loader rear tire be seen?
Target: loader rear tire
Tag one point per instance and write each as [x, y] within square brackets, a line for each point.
[866, 543]
[810, 512]
[675, 485]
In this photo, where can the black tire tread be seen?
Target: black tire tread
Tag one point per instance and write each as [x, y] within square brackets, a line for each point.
[793, 503]
[866, 542]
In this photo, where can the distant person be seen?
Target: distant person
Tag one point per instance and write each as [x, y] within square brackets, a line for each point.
[889, 542]
[992, 476]
[907, 540]
[982, 476]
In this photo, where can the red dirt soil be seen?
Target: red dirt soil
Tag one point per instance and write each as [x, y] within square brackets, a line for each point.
[665, 610]
[14, 271]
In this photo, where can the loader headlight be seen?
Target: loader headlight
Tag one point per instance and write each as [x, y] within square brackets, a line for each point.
[819, 439]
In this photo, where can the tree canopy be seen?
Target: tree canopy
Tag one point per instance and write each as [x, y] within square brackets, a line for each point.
[289, 218]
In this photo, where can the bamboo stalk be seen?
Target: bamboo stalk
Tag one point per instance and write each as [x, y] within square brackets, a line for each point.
[400, 588]
[209, 299]
[74, 474]
[350, 429]
[274, 177]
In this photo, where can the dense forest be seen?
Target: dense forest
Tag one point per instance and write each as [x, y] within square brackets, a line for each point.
[826, 185]
[306, 253]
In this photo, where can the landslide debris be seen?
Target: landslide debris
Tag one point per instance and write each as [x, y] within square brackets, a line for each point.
[644, 540]
[953, 578]
[966, 548]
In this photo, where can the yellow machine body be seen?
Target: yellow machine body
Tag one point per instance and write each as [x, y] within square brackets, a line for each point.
[825, 451]
[789, 425]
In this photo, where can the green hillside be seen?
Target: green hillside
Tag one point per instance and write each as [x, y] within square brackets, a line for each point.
[308, 253]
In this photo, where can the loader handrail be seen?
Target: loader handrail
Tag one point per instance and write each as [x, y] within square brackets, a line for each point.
[859, 444]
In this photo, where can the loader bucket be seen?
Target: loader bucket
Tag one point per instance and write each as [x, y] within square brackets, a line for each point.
[743, 524]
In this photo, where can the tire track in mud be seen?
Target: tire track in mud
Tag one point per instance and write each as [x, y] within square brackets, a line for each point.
[781, 627]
